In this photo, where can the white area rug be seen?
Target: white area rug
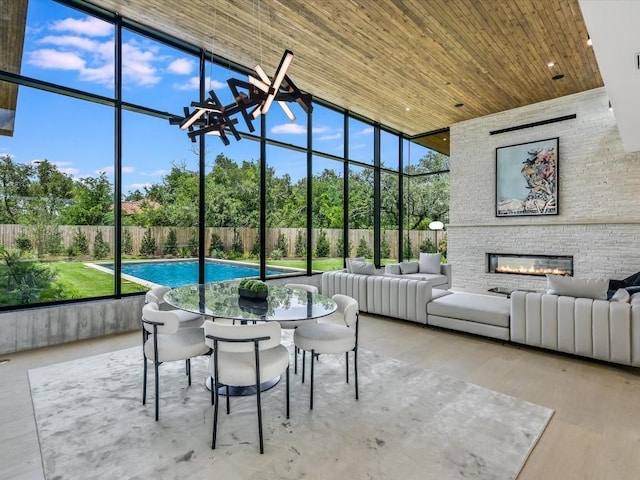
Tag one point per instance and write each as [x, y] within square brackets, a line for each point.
[409, 423]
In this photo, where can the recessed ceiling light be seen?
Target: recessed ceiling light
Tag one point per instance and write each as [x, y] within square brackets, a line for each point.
[589, 41]
[557, 77]
[458, 105]
[444, 139]
[406, 109]
[551, 64]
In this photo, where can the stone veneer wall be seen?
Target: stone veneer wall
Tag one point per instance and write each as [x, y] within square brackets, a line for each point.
[599, 195]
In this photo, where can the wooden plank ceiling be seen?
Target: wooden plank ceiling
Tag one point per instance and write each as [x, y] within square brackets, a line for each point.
[403, 63]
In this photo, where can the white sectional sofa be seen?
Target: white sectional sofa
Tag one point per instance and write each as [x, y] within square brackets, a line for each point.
[601, 329]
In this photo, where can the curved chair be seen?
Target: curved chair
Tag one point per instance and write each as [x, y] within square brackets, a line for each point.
[187, 319]
[244, 355]
[167, 342]
[296, 323]
[327, 338]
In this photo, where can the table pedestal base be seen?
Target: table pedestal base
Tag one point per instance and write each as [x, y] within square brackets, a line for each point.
[243, 391]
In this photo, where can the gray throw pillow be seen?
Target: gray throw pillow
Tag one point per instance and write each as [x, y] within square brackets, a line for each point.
[363, 268]
[429, 262]
[577, 287]
[393, 269]
[409, 267]
[621, 295]
[349, 260]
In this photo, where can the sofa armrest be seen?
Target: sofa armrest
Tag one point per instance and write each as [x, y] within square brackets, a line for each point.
[445, 269]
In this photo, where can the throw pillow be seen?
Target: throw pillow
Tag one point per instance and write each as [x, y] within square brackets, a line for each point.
[393, 269]
[349, 260]
[409, 267]
[577, 287]
[363, 268]
[621, 295]
[429, 262]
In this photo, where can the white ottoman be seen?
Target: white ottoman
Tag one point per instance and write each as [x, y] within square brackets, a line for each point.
[473, 313]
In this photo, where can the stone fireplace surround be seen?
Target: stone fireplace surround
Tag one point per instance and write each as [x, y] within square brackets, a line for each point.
[599, 207]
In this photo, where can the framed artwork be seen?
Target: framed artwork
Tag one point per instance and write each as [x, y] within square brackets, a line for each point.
[527, 179]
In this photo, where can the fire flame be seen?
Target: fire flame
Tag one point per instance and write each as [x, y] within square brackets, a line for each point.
[531, 270]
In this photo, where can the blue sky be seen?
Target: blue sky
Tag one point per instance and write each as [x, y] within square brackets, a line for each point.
[67, 47]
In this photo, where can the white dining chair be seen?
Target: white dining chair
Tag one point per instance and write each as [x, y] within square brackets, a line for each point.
[167, 342]
[245, 355]
[293, 324]
[326, 337]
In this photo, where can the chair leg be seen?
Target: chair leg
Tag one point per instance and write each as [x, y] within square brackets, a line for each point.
[156, 364]
[259, 417]
[287, 391]
[295, 360]
[311, 394]
[355, 368]
[228, 406]
[304, 359]
[144, 381]
[214, 390]
[189, 370]
[346, 362]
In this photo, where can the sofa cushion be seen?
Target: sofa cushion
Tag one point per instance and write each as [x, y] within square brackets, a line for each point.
[577, 287]
[356, 259]
[490, 310]
[363, 268]
[393, 269]
[409, 267]
[429, 262]
[433, 279]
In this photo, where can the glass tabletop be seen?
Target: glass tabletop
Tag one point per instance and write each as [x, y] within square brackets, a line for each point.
[221, 300]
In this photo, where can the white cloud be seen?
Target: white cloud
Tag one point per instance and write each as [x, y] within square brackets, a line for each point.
[332, 136]
[90, 26]
[137, 64]
[82, 43]
[181, 66]
[73, 172]
[194, 84]
[156, 173]
[139, 186]
[289, 128]
[54, 59]
[109, 170]
[365, 131]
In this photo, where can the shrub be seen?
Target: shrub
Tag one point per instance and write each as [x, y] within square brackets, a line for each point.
[253, 285]
[80, 243]
[282, 244]
[385, 248]
[25, 281]
[407, 251]
[148, 246]
[216, 246]
[184, 252]
[101, 248]
[53, 243]
[127, 242]
[171, 243]
[323, 248]
[23, 243]
[442, 246]
[363, 249]
[427, 246]
[300, 247]
[193, 245]
[277, 254]
[339, 248]
[255, 250]
[237, 248]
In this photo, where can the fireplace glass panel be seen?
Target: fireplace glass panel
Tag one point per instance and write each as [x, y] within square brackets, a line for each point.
[530, 264]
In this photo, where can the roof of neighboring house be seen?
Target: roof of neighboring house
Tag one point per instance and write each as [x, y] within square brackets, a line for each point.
[131, 208]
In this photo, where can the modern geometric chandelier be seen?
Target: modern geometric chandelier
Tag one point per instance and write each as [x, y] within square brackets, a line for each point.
[252, 99]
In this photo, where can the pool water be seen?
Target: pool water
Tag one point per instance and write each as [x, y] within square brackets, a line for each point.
[178, 273]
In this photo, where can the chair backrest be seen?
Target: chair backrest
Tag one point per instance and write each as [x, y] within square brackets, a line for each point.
[302, 286]
[167, 321]
[348, 307]
[242, 332]
[156, 295]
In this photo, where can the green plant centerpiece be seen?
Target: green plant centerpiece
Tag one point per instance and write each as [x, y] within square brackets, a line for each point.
[253, 289]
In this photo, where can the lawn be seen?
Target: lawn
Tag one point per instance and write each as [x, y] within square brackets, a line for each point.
[82, 281]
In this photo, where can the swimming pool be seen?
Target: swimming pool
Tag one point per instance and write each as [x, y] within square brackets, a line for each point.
[185, 272]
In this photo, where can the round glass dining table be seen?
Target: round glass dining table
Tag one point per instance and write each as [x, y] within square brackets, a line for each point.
[221, 300]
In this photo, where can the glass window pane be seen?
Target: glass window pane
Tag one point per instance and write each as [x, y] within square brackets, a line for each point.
[286, 210]
[389, 218]
[67, 47]
[57, 215]
[360, 141]
[361, 211]
[328, 130]
[328, 214]
[389, 150]
[160, 201]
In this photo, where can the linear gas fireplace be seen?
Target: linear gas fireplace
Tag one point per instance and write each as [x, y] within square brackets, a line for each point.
[529, 264]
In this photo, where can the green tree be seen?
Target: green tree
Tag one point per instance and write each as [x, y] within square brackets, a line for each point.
[101, 248]
[14, 188]
[363, 249]
[171, 243]
[80, 244]
[193, 246]
[300, 247]
[340, 248]
[127, 242]
[323, 248]
[148, 245]
[25, 282]
[216, 246]
[385, 248]
[282, 244]
[237, 247]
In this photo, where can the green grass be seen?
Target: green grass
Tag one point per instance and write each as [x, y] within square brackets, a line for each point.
[81, 281]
